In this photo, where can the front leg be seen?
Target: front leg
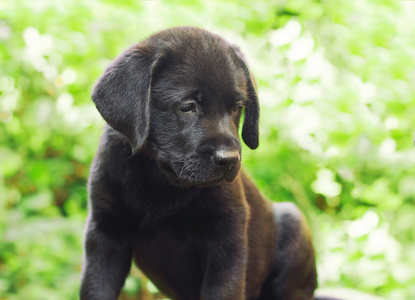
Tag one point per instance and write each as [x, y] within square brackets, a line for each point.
[106, 265]
[225, 270]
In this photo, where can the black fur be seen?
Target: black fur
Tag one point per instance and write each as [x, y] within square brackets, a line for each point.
[166, 189]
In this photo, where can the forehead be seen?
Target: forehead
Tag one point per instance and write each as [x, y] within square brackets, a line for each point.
[203, 62]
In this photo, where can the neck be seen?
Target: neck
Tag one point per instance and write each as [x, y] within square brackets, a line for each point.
[151, 191]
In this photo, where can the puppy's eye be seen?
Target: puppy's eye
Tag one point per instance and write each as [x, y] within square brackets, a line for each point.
[237, 107]
[187, 107]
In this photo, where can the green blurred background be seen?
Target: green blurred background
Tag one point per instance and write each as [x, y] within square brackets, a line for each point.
[336, 85]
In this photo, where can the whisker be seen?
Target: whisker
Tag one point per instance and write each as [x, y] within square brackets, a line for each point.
[184, 169]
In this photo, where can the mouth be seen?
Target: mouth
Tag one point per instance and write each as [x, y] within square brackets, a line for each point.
[201, 177]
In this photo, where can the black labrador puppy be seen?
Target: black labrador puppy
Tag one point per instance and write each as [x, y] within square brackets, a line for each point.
[166, 186]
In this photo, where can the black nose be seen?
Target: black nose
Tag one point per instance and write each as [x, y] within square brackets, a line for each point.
[226, 158]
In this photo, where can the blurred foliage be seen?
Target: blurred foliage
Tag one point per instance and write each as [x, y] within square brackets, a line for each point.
[337, 94]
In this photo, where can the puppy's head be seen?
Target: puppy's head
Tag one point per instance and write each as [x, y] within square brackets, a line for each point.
[180, 94]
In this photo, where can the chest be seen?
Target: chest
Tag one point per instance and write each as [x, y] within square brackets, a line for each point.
[175, 266]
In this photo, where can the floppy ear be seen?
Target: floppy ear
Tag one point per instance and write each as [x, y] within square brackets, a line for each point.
[122, 94]
[250, 134]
